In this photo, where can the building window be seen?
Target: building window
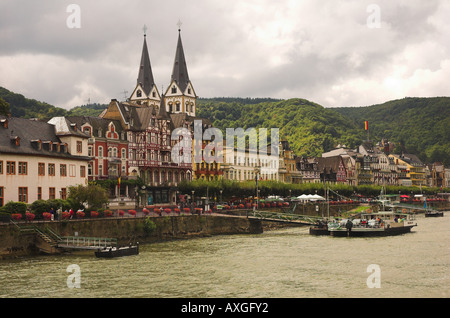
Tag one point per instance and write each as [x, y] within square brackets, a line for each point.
[2, 196]
[89, 170]
[63, 193]
[72, 169]
[139, 93]
[51, 169]
[23, 194]
[124, 153]
[41, 169]
[63, 170]
[79, 146]
[10, 167]
[22, 168]
[100, 151]
[83, 171]
[1, 166]
[51, 193]
[100, 170]
[178, 107]
[39, 193]
[174, 89]
[90, 151]
[87, 130]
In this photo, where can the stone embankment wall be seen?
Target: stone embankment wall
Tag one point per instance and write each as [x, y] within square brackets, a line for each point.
[14, 243]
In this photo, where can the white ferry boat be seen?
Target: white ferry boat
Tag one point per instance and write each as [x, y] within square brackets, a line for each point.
[383, 223]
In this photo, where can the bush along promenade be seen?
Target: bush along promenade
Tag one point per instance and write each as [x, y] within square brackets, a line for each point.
[234, 189]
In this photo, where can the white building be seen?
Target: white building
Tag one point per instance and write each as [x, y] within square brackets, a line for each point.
[37, 163]
[247, 165]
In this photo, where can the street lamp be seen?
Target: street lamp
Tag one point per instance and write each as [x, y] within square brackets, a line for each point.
[221, 196]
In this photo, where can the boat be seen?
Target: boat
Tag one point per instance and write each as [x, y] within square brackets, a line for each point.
[321, 228]
[383, 223]
[111, 252]
[431, 214]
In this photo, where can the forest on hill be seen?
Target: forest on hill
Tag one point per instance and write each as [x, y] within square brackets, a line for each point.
[310, 128]
[416, 125]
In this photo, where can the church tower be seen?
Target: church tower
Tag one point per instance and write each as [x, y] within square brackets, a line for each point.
[180, 94]
[145, 93]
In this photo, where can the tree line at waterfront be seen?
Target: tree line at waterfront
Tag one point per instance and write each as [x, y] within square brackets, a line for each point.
[228, 189]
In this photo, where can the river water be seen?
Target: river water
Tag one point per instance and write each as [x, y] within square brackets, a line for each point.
[287, 263]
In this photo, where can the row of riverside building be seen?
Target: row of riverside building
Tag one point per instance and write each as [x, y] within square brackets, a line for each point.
[40, 160]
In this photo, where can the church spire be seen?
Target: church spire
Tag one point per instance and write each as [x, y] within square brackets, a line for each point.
[180, 72]
[162, 114]
[145, 77]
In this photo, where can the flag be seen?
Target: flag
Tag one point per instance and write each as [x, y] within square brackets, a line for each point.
[366, 125]
[118, 182]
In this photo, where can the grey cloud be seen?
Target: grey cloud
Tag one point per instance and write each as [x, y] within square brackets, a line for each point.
[240, 48]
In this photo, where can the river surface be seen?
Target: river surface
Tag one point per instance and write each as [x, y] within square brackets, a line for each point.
[287, 263]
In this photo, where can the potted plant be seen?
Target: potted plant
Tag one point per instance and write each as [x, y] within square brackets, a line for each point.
[198, 210]
[132, 212]
[47, 216]
[121, 212]
[146, 211]
[65, 215]
[30, 216]
[94, 214]
[80, 214]
[108, 213]
[16, 216]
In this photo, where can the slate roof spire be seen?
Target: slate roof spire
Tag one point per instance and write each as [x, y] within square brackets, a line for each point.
[162, 114]
[145, 77]
[180, 72]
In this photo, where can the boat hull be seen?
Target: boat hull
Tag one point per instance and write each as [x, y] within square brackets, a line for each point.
[117, 252]
[319, 231]
[434, 214]
[371, 232]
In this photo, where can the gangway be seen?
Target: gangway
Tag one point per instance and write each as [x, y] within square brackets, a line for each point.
[86, 243]
[284, 217]
[411, 207]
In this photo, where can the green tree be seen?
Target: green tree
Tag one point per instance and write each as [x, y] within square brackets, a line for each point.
[4, 107]
[93, 195]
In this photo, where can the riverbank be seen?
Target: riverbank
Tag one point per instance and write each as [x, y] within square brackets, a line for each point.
[15, 242]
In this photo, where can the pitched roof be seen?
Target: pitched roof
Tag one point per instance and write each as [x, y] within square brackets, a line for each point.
[95, 122]
[330, 164]
[162, 114]
[145, 77]
[180, 73]
[30, 133]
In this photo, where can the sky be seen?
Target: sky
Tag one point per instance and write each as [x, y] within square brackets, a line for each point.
[332, 52]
